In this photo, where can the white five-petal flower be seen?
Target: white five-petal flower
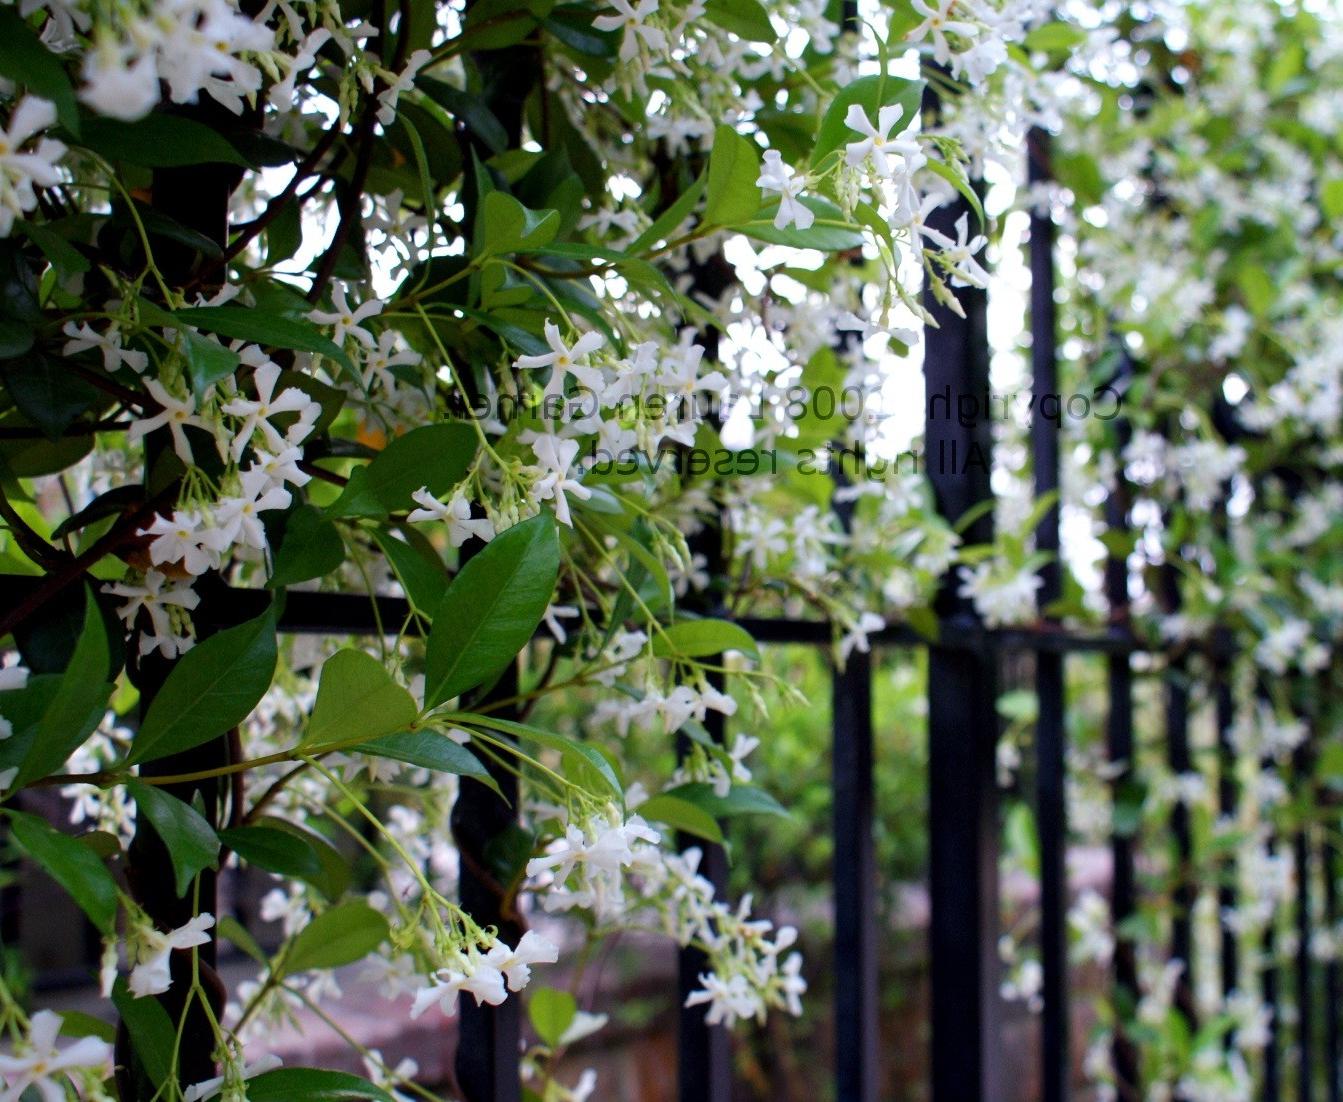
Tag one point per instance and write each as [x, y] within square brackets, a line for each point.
[778, 177]
[39, 1064]
[563, 359]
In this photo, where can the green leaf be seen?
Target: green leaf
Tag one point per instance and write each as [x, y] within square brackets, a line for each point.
[312, 1085]
[491, 609]
[551, 1012]
[958, 180]
[734, 167]
[342, 935]
[682, 815]
[356, 699]
[276, 851]
[241, 323]
[311, 548]
[78, 704]
[213, 687]
[872, 93]
[437, 456]
[25, 60]
[509, 227]
[743, 799]
[470, 109]
[45, 390]
[232, 930]
[429, 750]
[746, 19]
[581, 761]
[1258, 289]
[72, 865]
[158, 141]
[1055, 36]
[191, 841]
[153, 1036]
[420, 572]
[1331, 198]
[667, 222]
[76, 1023]
[699, 638]
[207, 361]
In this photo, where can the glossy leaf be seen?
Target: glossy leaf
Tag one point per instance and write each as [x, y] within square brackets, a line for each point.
[311, 548]
[734, 167]
[191, 842]
[492, 609]
[71, 864]
[700, 638]
[213, 687]
[342, 935]
[356, 699]
[437, 456]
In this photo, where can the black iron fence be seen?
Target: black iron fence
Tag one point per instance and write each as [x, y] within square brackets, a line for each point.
[963, 821]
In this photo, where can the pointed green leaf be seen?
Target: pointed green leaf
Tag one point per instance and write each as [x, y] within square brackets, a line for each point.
[342, 935]
[356, 699]
[491, 609]
[72, 865]
[191, 841]
[213, 687]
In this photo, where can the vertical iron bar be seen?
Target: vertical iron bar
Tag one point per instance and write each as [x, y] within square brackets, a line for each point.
[962, 719]
[1227, 797]
[1272, 1064]
[1180, 761]
[1332, 1055]
[197, 197]
[488, 1036]
[704, 1051]
[1305, 1009]
[1050, 750]
[1119, 747]
[855, 877]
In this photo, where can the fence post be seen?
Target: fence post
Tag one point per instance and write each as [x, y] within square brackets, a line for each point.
[1050, 747]
[857, 1021]
[1119, 749]
[962, 721]
[197, 197]
[488, 1036]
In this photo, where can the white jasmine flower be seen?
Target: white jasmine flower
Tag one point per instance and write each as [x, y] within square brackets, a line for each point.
[116, 82]
[182, 538]
[153, 949]
[84, 337]
[155, 596]
[456, 514]
[20, 172]
[778, 177]
[959, 255]
[877, 142]
[38, 1064]
[176, 413]
[256, 413]
[556, 456]
[856, 637]
[403, 82]
[563, 360]
[728, 1000]
[516, 964]
[632, 19]
[347, 320]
